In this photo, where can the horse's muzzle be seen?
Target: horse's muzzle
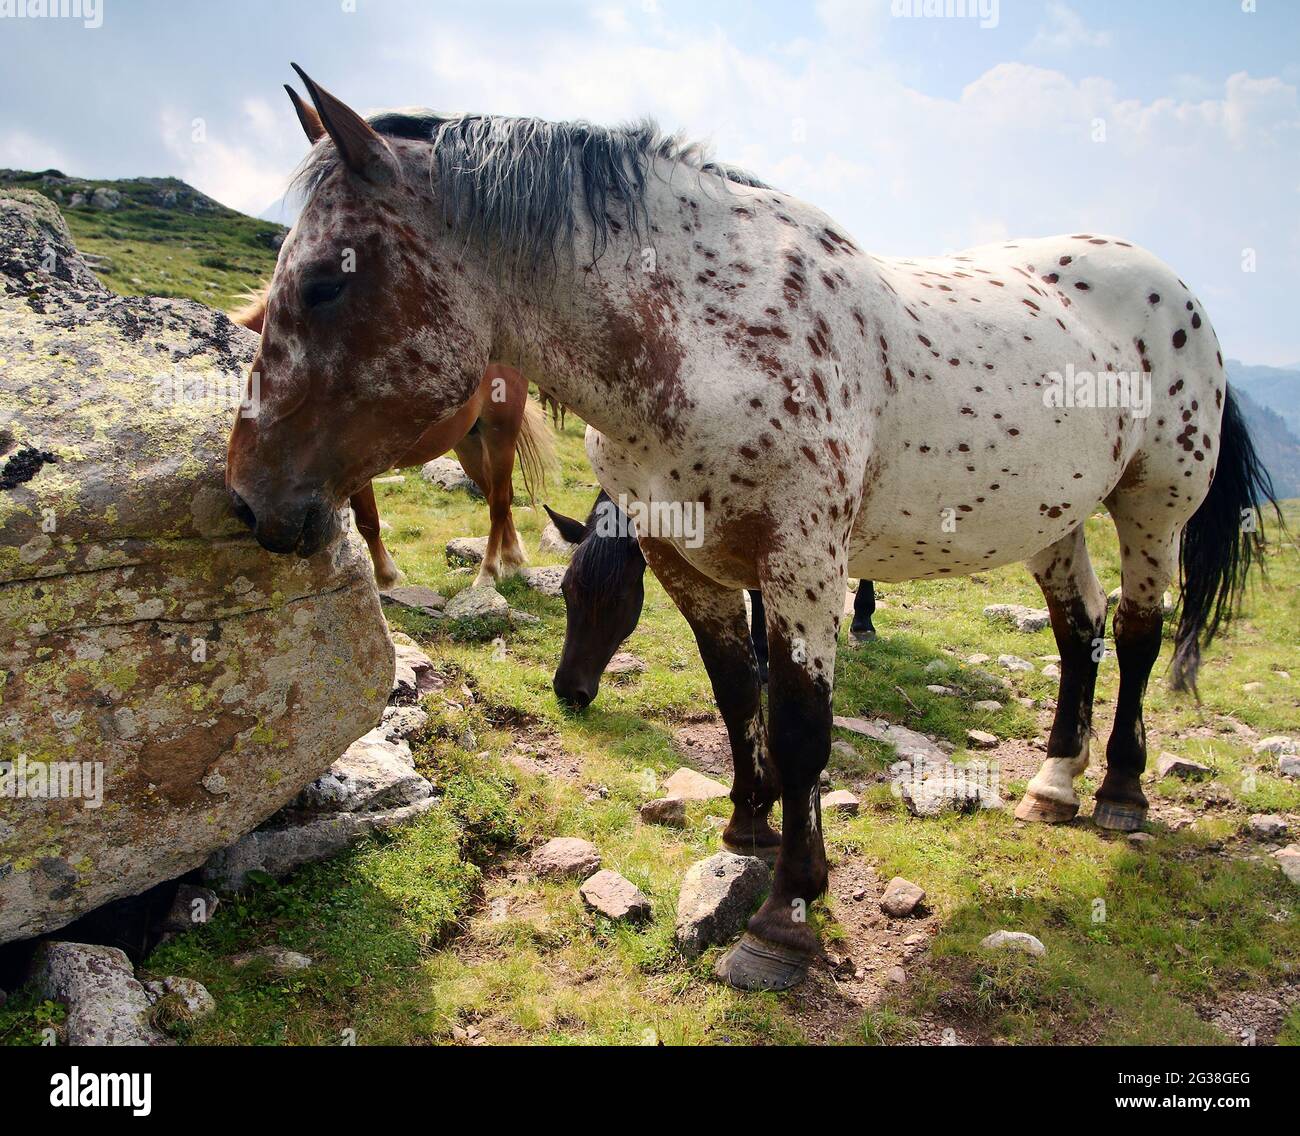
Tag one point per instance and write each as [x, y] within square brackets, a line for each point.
[303, 528]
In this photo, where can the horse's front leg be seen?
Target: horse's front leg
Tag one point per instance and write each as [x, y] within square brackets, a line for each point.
[365, 510]
[717, 617]
[803, 605]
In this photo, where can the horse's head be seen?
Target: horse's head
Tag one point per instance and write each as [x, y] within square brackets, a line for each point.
[372, 332]
[604, 588]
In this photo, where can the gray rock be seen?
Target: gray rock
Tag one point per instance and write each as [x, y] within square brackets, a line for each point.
[907, 743]
[1288, 859]
[565, 856]
[1278, 744]
[717, 896]
[106, 199]
[1015, 663]
[987, 706]
[669, 811]
[1171, 765]
[467, 550]
[978, 660]
[1288, 765]
[981, 739]
[191, 907]
[553, 544]
[1013, 941]
[1268, 826]
[478, 613]
[105, 1004]
[520, 618]
[901, 897]
[402, 723]
[611, 895]
[688, 785]
[841, 802]
[192, 997]
[942, 691]
[415, 596]
[277, 850]
[276, 959]
[546, 579]
[446, 473]
[1022, 618]
[1051, 671]
[1138, 839]
[962, 788]
[372, 774]
[413, 673]
[624, 663]
[149, 638]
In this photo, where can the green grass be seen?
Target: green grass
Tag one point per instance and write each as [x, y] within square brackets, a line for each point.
[211, 255]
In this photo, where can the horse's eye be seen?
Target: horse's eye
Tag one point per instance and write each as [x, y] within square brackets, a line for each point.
[322, 291]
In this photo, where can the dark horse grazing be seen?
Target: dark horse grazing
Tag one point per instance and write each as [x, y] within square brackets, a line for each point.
[833, 413]
[603, 592]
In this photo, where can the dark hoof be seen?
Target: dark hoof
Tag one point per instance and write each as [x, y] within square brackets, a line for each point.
[765, 852]
[862, 634]
[757, 964]
[1117, 816]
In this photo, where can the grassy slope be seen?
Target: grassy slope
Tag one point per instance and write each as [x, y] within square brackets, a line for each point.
[210, 254]
[439, 927]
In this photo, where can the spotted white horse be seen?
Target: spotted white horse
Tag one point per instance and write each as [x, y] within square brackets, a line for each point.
[834, 413]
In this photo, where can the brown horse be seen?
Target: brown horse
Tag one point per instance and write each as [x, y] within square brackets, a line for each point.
[497, 422]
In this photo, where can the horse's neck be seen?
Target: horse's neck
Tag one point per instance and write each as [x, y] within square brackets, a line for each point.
[597, 337]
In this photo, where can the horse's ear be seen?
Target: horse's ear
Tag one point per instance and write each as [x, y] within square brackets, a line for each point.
[362, 150]
[311, 123]
[572, 531]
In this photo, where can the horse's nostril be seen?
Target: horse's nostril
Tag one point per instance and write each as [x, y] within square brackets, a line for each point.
[241, 509]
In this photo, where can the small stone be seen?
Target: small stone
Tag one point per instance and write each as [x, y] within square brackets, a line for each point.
[553, 544]
[478, 612]
[1013, 941]
[372, 774]
[1051, 671]
[1138, 839]
[896, 974]
[467, 550]
[415, 596]
[277, 959]
[1268, 826]
[105, 1004]
[1252, 687]
[446, 473]
[1022, 618]
[611, 895]
[547, 580]
[624, 662]
[401, 723]
[1015, 663]
[1288, 765]
[565, 856]
[938, 666]
[987, 705]
[981, 739]
[1288, 859]
[901, 897]
[717, 896]
[1278, 744]
[688, 785]
[192, 997]
[978, 660]
[842, 802]
[1171, 765]
[915, 939]
[413, 673]
[943, 691]
[520, 618]
[670, 811]
[844, 749]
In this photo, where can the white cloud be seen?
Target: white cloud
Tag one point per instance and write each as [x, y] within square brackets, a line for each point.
[20, 151]
[1065, 31]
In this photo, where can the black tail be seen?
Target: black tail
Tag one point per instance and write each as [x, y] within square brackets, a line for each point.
[1220, 543]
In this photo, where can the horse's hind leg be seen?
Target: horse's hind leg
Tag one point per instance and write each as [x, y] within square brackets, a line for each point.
[1078, 610]
[717, 616]
[366, 512]
[1147, 550]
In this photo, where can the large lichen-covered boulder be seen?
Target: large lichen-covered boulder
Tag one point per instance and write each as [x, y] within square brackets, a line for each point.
[165, 684]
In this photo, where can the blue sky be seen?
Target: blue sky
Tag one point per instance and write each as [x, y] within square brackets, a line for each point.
[1174, 123]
